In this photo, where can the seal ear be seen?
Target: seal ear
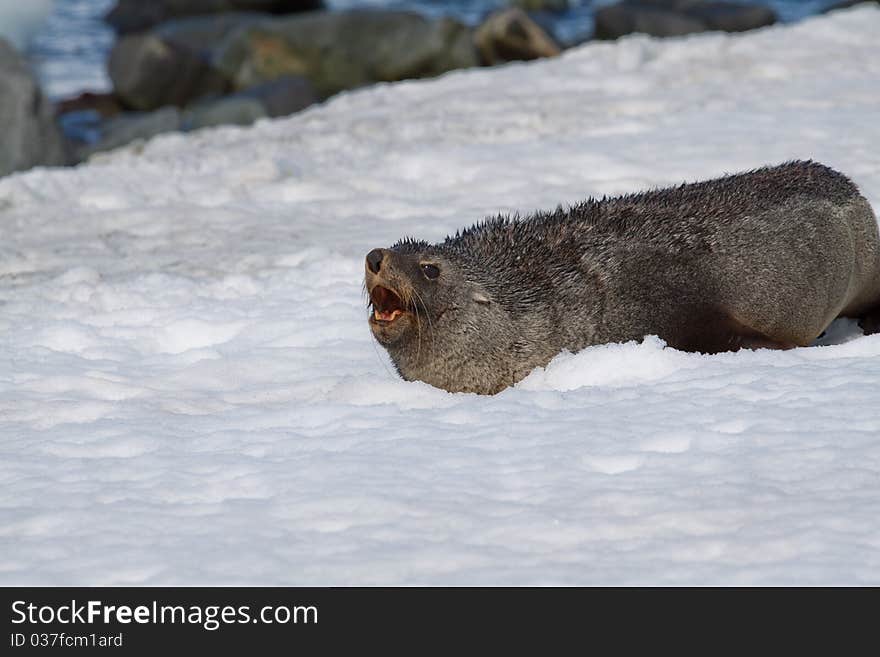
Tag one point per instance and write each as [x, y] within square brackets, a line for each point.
[481, 298]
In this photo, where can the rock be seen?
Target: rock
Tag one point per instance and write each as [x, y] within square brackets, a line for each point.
[202, 33]
[276, 98]
[344, 50]
[732, 17]
[103, 104]
[231, 110]
[846, 4]
[615, 21]
[284, 95]
[134, 126]
[149, 72]
[30, 137]
[129, 16]
[665, 18]
[509, 35]
[540, 5]
[137, 15]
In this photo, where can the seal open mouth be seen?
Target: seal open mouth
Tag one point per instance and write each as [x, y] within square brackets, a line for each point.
[387, 306]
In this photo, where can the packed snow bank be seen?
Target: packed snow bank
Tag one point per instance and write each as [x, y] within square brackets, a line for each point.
[189, 392]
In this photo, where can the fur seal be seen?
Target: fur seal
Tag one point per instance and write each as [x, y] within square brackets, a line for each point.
[767, 258]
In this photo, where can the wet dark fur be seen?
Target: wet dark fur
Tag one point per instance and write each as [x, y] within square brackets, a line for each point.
[766, 258]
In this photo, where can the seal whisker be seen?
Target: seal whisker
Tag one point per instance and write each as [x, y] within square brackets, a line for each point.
[419, 326]
[382, 362]
[428, 318]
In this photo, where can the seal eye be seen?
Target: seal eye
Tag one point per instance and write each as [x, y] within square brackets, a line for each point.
[431, 271]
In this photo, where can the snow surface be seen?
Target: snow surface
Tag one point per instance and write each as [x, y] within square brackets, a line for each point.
[189, 393]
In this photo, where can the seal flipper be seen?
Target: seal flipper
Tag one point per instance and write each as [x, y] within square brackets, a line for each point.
[763, 343]
[732, 335]
[870, 321]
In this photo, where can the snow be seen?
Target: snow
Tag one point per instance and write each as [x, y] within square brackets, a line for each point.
[189, 393]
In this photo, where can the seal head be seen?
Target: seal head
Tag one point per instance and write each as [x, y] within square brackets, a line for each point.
[431, 310]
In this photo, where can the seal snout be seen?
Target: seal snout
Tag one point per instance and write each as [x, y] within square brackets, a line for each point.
[374, 260]
[390, 291]
[387, 305]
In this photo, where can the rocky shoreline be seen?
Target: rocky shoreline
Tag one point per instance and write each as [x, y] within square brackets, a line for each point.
[31, 136]
[181, 65]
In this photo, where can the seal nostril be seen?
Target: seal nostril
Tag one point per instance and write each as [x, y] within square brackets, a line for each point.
[374, 260]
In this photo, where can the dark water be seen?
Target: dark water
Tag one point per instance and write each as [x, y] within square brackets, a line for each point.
[71, 49]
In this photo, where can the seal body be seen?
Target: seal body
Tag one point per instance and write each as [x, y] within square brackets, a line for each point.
[767, 258]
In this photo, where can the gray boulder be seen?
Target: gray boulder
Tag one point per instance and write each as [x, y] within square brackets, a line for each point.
[148, 72]
[276, 98]
[510, 35]
[344, 50]
[279, 97]
[30, 136]
[105, 104]
[284, 95]
[615, 21]
[846, 4]
[231, 110]
[171, 64]
[202, 33]
[129, 16]
[665, 18]
[133, 126]
[732, 17]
